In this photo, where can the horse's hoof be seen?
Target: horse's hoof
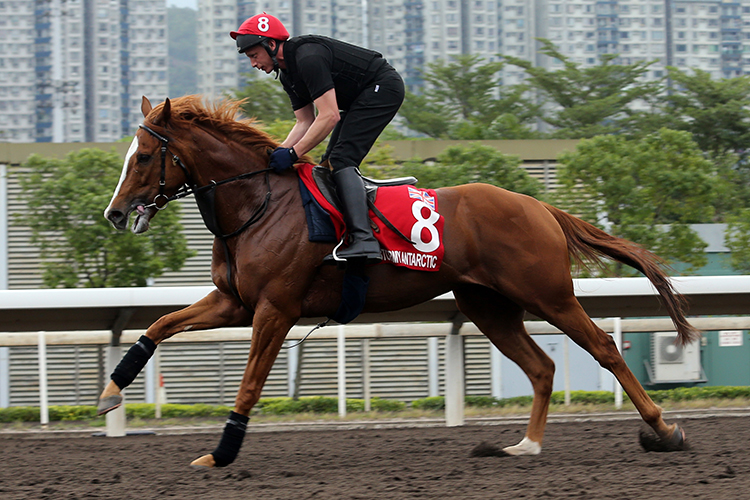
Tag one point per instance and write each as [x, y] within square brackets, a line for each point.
[108, 404]
[204, 462]
[525, 447]
[652, 442]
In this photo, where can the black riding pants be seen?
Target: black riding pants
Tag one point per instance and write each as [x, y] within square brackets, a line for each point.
[365, 119]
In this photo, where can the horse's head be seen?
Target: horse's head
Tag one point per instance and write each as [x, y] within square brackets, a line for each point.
[149, 174]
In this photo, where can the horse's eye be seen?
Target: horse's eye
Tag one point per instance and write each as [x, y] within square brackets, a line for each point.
[144, 158]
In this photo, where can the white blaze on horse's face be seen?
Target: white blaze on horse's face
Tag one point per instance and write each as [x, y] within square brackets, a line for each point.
[131, 151]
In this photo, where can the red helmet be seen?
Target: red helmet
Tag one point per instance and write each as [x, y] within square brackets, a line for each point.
[257, 29]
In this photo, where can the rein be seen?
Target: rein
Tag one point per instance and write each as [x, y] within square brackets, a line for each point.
[204, 197]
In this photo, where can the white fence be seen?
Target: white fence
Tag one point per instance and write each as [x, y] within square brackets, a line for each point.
[21, 311]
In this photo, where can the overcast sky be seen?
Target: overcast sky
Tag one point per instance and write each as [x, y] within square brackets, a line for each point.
[193, 4]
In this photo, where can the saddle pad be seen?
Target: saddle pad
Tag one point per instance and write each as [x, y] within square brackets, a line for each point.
[414, 212]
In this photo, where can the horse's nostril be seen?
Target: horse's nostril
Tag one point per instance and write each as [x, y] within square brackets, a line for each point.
[116, 217]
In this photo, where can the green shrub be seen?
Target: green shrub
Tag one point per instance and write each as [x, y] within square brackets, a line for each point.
[516, 401]
[584, 397]
[320, 404]
[431, 403]
[19, 414]
[287, 406]
[57, 413]
[387, 405]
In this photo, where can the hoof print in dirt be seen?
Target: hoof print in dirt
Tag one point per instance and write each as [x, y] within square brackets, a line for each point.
[485, 449]
[651, 442]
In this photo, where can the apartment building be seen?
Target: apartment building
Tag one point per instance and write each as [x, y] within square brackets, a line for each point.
[221, 69]
[88, 85]
[408, 33]
[711, 35]
[75, 70]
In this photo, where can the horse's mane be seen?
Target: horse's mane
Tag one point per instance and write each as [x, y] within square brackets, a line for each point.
[220, 116]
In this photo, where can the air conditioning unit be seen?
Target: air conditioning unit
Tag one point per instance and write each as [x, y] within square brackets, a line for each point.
[672, 362]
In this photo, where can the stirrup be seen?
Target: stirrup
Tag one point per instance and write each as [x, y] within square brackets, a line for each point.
[335, 256]
[332, 259]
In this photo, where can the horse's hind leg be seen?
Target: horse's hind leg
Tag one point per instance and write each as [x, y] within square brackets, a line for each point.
[502, 322]
[570, 317]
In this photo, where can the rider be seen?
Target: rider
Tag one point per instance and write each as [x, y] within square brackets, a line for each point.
[332, 76]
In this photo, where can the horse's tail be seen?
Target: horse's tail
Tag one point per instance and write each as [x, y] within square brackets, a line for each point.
[588, 244]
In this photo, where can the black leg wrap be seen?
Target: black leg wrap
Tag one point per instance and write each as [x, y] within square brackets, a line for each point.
[352, 297]
[133, 362]
[231, 440]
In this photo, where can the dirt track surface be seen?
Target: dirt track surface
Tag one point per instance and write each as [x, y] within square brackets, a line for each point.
[583, 460]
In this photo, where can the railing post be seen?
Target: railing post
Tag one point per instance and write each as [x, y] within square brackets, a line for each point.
[454, 377]
[618, 342]
[433, 367]
[496, 372]
[116, 418]
[4, 377]
[366, 374]
[566, 368]
[342, 370]
[43, 396]
[291, 367]
[149, 382]
[160, 397]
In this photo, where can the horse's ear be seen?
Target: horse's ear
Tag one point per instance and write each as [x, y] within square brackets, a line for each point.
[145, 106]
[166, 111]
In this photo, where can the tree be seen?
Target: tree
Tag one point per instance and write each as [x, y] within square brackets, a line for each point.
[737, 240]
[468, 164]
[463, 98]
[716, 112]
[590, 101]
[64, 204]
[648, 191]
[266, 99]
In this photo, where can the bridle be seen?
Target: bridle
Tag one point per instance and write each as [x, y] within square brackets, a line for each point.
[204, 197]
[189, 184]
[189, 187]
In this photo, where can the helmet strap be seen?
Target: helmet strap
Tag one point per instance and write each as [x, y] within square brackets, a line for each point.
[272, 53]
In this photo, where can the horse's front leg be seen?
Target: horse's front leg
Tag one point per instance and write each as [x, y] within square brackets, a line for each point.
[215, 310]
[270, 327]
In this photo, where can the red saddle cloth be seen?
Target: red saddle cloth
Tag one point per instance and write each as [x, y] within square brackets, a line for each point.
[414, 212]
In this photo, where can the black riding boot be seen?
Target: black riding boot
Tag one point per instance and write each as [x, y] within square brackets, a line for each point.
[351, 191]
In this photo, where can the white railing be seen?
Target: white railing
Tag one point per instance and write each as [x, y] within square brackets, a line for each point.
[67, 311]
[452, 332]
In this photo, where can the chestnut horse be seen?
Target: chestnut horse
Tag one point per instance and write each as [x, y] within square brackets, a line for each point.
[505, 254]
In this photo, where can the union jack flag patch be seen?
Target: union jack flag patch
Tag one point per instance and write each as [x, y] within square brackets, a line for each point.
[422, 195]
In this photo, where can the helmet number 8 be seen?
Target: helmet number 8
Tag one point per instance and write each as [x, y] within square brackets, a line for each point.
[263, 24]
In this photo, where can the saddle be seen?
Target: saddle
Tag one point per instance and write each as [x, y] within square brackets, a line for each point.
[324, 180]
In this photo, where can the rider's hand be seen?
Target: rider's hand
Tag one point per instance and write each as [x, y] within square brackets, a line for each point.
[282, 159]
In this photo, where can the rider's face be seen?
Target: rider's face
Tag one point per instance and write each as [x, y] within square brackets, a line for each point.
[259, 58]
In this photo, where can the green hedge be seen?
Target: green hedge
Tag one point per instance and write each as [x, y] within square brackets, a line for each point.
[592, 397]
[288, 406]
[266, 406]
[320, 404]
